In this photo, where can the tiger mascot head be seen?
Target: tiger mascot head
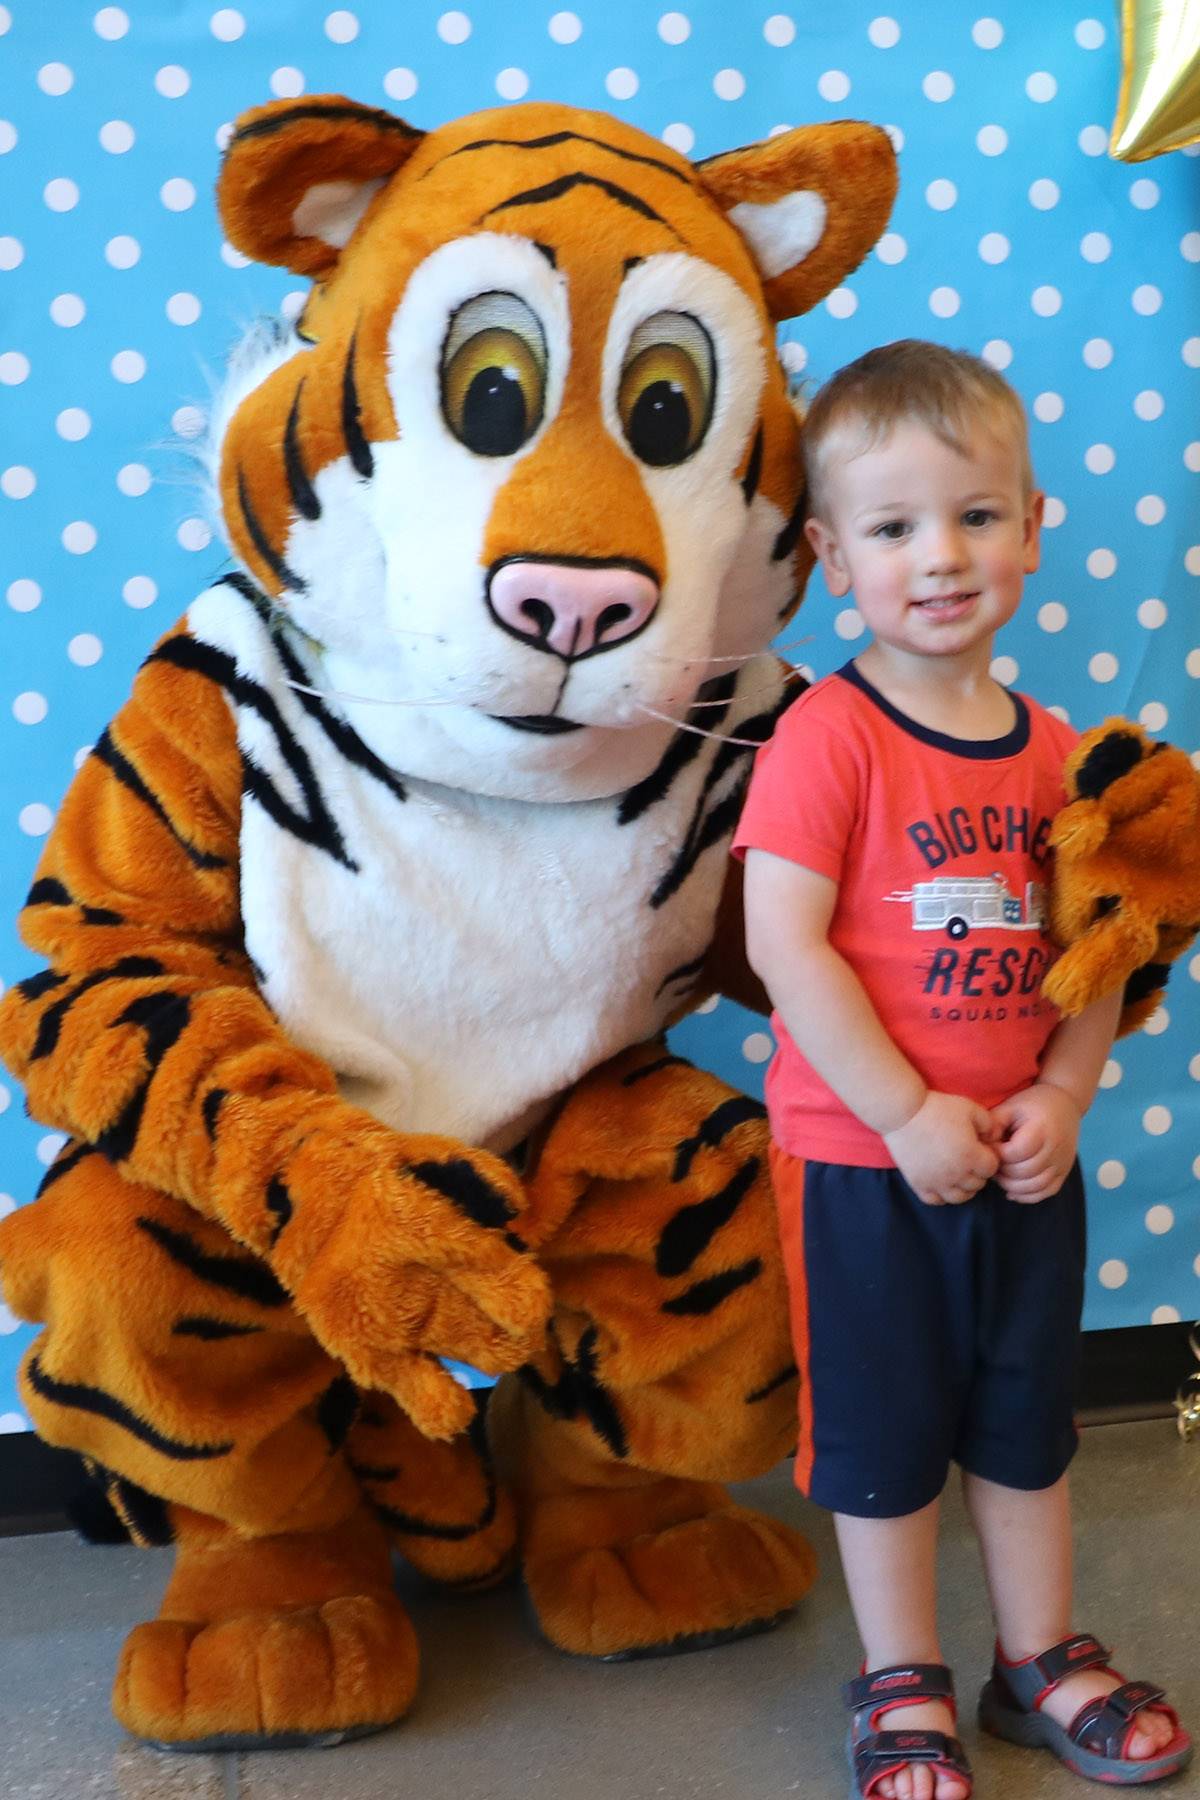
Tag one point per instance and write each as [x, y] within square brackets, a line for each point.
[526, 472]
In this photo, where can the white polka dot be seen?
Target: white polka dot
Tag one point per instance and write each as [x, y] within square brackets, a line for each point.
[292, 305]
[1111, 1174]
[1157, 1121]
[13, 1421]
[341, 27]
[287, 82]
[79, 537]
[1153, 715]
[988, 33]
[1144, 194]
[1093, 140]
[1114, 1273]
[5, 20]
[565, 27]
[233, 257]
[1157, 1023]
[1151, 509]
[1041, 86]
[941, 194]
[14, 368]
[183, 309]
[133, 479]
[793, 356]
[676, 28]
[117, 136]
[1194, 1067]
[1191, 559]
[680, 137]
[991, 140]
[1159, 1220]
[73, 424]
[757, 1047]
[1101, 564]
[61, 194]
[1146, 299]
[1095, 247]
[938, 85]
[8, 136]
[621, 83]
[172, 81]
[1191, 353]
[177, 194]
[1005, 670]
[998, 352]
[994, 247]
[8, 1320]
[1055, 512]
[897, 136]
[1045, 301]
[512, 84]
[1097, 353]
[1048, 408]
[730, 84]
[400, 84]
[85, 650]
[1044, 194]
[52, 1144]
[1189, 246]
[18, 482]
[891, 248]
[710, 1005]
[1099, 458]
[454, 28]
[35, 820]
[227, 25]
[189, 421]
[55, 78]
[24, 595]
[29, 709]
[1149, 404]
[884, 33]
[194, 534]
[122, 252]
[1110, 1075]
[833, 85]
[841, 303]
[944, 302]
[849, 623]
[111, 23]
[139, 592]
[1152, 614]
[128, 365]
[1103, 666]
[1052, 616]
[1165, 1315]
[1089, 34]
[779, 30]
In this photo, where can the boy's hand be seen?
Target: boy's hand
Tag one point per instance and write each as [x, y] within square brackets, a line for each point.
[1040, 1133]
[943, 1152]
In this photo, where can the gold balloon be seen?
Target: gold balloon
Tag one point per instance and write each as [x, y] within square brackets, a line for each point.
[1158, 108]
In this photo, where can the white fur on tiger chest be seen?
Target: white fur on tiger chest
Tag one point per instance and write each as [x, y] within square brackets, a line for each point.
[460, 959]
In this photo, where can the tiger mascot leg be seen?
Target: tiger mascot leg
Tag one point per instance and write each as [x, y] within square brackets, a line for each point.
[219, 1425]
[669, 1370]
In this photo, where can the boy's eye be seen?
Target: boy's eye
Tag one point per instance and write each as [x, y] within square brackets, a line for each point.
[978, 515]
[891, 530]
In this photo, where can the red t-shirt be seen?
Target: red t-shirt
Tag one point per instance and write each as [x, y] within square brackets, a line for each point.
[939, 848]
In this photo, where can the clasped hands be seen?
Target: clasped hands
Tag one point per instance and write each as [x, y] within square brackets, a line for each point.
[951, 1146]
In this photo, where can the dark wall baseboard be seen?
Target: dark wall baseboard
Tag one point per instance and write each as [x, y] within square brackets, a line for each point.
[1129, 1373]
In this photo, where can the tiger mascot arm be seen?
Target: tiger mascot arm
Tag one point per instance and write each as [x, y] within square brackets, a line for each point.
[147, 1039]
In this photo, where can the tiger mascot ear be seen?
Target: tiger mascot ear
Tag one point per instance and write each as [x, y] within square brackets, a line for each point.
[810, 203]
[298, 176]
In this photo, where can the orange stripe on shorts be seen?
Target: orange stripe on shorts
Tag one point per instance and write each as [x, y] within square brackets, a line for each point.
[787, 1176]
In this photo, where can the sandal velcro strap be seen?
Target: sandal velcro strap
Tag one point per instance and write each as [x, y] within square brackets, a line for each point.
[883, 1751]
[1030, 1680]
[901, 1685]
[1103, 1724]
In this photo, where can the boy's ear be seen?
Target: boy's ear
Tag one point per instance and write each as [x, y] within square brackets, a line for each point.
[1035, 511]
[809, 203]
[829, 555]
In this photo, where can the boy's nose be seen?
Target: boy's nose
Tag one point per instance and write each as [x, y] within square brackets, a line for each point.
[944, 548]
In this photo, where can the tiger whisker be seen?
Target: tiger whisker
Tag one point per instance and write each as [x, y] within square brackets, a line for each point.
[719, 737]
[365, 699]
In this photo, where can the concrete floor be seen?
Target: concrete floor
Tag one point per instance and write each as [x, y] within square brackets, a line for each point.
[502, 1717]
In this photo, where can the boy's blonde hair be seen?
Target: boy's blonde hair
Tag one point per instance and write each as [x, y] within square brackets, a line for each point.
[950, 392]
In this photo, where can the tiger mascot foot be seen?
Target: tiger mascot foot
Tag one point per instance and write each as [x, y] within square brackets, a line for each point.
[272, 1643]
[657, 1570]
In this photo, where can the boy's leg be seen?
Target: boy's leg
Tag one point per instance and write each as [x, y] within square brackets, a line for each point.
[890, 1570]
[1025, 1537]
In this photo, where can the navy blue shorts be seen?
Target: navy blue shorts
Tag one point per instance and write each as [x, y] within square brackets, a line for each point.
[927, 1335]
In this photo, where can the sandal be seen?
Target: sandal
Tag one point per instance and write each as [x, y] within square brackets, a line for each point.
[875, 1754]
[1094, 1743]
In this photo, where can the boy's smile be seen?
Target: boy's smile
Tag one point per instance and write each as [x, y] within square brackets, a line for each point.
[934, 542]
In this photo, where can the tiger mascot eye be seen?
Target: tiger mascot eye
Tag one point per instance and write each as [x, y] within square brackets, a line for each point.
[365, 918]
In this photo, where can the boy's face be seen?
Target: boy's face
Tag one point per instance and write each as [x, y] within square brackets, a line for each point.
[934, 543]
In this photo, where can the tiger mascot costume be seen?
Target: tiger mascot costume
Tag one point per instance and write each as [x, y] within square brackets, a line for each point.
[365, 917]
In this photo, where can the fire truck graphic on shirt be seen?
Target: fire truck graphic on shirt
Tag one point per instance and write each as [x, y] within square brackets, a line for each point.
[959, 904]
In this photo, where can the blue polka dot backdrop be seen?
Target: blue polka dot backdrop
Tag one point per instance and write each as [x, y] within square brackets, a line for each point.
[1014, 235]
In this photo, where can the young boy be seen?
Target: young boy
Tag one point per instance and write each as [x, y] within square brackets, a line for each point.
[924, 1101]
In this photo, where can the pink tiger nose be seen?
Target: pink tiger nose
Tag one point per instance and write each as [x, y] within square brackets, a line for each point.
[571, 609]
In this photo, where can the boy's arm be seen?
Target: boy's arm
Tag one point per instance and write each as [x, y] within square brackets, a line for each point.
[1042, 1122]
[935, 1138]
